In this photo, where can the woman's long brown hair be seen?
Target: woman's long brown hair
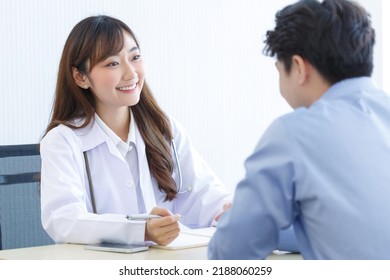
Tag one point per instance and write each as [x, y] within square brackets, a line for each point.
[93, 40]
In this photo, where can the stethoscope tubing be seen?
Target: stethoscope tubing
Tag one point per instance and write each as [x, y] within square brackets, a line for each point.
[176, 156]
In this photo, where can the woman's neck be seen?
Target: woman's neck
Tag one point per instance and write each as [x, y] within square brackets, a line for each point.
[118, 121]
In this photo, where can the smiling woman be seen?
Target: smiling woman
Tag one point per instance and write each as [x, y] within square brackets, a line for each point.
[110, 150]
[87, 84]
[116, 83]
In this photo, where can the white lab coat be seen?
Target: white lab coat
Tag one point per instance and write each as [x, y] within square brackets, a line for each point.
[67, 214]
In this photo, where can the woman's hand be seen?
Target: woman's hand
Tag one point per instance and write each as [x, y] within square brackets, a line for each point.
[162, 230]
[226, 207]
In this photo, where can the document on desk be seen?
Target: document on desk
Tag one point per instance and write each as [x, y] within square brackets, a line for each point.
[189, 238]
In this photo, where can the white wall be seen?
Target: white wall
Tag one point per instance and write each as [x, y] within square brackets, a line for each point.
[204, 63]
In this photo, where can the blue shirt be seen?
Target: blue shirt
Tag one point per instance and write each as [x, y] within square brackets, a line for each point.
[324, 169]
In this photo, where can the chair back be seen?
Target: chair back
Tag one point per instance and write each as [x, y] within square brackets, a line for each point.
[20, 211]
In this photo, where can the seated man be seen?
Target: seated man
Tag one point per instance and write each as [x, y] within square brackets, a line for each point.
[323, 168]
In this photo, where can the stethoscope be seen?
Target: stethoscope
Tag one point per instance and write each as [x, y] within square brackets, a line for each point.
[180, 178]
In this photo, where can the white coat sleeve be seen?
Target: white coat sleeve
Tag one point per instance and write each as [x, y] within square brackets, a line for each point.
[205, 193]
[63, 197]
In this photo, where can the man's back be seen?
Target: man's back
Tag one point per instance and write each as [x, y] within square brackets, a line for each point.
[322, 169]
[341, 153]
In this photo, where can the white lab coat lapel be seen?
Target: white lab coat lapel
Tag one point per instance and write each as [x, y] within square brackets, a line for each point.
[91, 136]
[144, 173]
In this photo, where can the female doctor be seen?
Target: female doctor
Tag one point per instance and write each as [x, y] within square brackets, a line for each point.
[109, 150]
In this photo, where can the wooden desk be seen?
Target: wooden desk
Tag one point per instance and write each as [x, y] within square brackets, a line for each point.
[77, 252]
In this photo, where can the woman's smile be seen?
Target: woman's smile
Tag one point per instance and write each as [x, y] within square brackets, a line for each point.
[128, 89]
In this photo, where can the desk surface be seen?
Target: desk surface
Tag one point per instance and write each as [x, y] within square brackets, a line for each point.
[77, 252]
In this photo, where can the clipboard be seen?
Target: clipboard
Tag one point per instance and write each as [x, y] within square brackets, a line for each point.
[189, 238]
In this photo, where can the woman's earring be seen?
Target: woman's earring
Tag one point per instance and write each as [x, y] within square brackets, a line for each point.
[86, 87]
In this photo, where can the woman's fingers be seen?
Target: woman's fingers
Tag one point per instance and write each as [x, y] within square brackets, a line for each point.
[162, 230]
[167, 234]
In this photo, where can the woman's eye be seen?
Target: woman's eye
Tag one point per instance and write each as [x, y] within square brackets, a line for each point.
[112, 64]
[137, 57]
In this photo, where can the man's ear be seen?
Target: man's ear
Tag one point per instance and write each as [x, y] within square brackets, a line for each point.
[302, 68]
[80, 79]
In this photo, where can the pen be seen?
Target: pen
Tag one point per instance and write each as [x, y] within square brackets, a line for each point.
[142, 216]
[145, 216]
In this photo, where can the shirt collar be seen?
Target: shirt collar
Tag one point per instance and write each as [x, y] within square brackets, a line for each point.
[118, 142]
[344, 88]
